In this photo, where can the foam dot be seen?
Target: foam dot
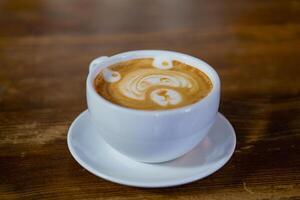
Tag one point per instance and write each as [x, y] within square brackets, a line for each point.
[162, 63]
[165, 97]
[111, 76]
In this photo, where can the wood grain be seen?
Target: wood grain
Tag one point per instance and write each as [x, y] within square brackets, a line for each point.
[45, 48]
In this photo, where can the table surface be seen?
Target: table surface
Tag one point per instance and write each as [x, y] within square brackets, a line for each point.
[45, 49]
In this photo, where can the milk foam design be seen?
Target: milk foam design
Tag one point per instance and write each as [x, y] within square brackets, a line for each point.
[152, 83]
[165, 97]
[162, 63]
[111, 76]
[135, 84]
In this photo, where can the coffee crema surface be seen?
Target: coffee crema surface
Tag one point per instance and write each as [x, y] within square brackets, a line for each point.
[152, 84]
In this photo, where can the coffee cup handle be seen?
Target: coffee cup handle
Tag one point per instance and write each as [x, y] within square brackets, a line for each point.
[96, 63]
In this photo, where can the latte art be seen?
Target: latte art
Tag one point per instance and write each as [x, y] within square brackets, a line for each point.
[165, 97]
[152, 84]
[162, 63]
[111, 76]
[136, 84]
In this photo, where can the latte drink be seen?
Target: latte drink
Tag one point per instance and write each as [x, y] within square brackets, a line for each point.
[152, 84]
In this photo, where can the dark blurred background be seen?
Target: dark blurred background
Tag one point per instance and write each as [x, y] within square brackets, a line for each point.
[45, 49]
[253, 44]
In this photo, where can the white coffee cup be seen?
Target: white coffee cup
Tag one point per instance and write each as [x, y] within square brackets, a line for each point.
[152, 136]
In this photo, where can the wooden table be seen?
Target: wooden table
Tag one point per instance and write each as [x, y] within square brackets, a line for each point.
[45, 49]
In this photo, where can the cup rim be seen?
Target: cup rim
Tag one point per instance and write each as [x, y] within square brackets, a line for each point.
[181, 56]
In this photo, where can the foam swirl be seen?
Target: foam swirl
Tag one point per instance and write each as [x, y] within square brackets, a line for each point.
[136, 84]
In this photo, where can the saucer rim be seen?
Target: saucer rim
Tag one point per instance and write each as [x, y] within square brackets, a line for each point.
[160, 184]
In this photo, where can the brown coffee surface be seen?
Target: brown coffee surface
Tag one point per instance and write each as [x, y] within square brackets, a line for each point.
[152, 84]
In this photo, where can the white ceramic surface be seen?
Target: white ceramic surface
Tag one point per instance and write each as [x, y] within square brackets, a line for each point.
[152, 136]
[95, 155]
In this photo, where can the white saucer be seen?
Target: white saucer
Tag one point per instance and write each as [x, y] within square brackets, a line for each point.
[95, 155]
